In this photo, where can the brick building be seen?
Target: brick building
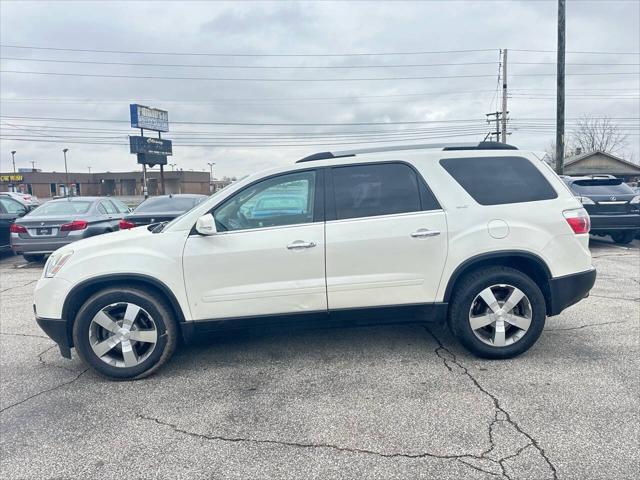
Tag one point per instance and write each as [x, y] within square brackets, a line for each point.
[52, 184]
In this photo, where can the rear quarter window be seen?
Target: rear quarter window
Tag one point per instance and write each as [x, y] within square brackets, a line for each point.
[499, 180]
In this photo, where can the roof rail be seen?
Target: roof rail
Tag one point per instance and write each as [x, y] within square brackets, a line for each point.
[424, 146]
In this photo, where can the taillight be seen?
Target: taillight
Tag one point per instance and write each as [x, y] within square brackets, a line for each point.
[15, 228]
[126, 224]
[75, 225]
[578, 220]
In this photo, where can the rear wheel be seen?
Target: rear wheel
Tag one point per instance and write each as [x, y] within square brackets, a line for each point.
[32, 257]
[497, 312]
[623, 237]
[124, 333]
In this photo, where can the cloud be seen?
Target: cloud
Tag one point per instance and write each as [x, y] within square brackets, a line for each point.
[291, 28]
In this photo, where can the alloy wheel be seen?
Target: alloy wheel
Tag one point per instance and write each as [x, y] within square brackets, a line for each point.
[123, 335]
[500, 315]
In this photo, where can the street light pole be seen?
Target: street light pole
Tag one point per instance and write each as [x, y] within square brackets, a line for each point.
[172, 165]
[66, 171]
[13, 159]
[211, 164]
[89, 167]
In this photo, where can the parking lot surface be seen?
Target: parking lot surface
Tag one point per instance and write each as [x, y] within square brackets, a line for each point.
[377, 402]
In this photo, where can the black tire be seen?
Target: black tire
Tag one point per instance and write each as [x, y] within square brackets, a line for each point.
[32, 257]
[466, 291]
[623, 237]
[157, 308]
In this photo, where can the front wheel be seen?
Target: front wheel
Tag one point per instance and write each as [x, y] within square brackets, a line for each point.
[623, 237]
[497, 312]
[124, 333]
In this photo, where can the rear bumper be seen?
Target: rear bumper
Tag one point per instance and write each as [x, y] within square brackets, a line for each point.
[38, 246]
[57, 329]
[606, 223]
[570, 289]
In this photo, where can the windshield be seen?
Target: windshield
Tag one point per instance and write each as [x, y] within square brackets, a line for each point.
[64, 207]
[168, 204]
[604, 186]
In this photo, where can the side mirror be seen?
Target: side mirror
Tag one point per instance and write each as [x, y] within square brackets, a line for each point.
[206, 225]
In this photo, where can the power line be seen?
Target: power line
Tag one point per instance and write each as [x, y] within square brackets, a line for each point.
[200, 65]
[220, 54]
[577, 52]
[340, 79]
[269, 67]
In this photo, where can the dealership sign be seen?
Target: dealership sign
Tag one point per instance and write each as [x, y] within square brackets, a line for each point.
[149, 145]
[149, 118]
[152, 159]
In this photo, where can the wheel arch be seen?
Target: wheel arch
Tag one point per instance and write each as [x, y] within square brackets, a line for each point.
[528, 263]
[81, 292]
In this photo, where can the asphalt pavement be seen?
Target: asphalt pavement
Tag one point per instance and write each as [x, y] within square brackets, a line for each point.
[378, 402]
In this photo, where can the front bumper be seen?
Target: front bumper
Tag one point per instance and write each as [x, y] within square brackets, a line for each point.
[58, 330]
[569, 289]
[607, 223]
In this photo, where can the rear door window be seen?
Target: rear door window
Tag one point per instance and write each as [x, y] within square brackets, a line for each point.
[379, 189]
[601, 186]
[499, 180]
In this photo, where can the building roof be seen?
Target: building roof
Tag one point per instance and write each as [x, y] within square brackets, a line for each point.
[577, 158]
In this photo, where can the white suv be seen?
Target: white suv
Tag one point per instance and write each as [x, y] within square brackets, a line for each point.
[485, 237]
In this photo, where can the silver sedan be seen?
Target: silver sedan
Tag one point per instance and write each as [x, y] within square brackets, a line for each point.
[60, 222]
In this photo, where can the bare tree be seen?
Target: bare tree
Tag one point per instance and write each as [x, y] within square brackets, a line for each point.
[597, 134]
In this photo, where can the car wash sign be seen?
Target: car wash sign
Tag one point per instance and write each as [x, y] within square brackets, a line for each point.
[149, 118]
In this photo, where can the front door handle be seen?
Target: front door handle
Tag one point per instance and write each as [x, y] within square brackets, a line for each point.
[424, 233]
[300, 244]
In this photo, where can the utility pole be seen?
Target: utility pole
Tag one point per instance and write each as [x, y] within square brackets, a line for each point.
[66, 171]
[33, 166]
[497, 131]
[211, 164]
[560, 89]
[504, 96]
[161, 168]
[89, 167]
[13, 159]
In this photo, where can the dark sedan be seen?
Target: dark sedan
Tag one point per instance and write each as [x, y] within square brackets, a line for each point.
[613, 206]
[10, 210]
[60, 222]
[161, 209]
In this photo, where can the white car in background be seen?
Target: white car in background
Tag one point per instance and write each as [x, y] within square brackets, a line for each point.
[26, 199]
[484, 237]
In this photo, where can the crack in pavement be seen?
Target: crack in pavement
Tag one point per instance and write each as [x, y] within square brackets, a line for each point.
[24, 335]
[500, 416]
[18, 286]
[588, 325]
[615, 298]
[60, 385]
[451, 358]
[44, 363]
[286, 443]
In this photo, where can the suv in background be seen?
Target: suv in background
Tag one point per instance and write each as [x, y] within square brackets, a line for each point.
[484, 237]
[614, 207]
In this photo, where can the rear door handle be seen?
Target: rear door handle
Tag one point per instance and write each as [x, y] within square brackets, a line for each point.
[424, 233]
[300, 244]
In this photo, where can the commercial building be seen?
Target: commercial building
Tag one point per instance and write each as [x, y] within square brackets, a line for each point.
[52, 184]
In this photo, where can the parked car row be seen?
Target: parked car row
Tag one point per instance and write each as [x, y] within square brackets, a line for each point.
[28, 200]
[35, 233]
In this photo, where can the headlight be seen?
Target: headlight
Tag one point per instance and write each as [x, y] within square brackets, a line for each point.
[635, 199]
[55, 263]
[586, 201]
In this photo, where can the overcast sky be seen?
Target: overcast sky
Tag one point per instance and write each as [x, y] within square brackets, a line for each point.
[295, 35]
